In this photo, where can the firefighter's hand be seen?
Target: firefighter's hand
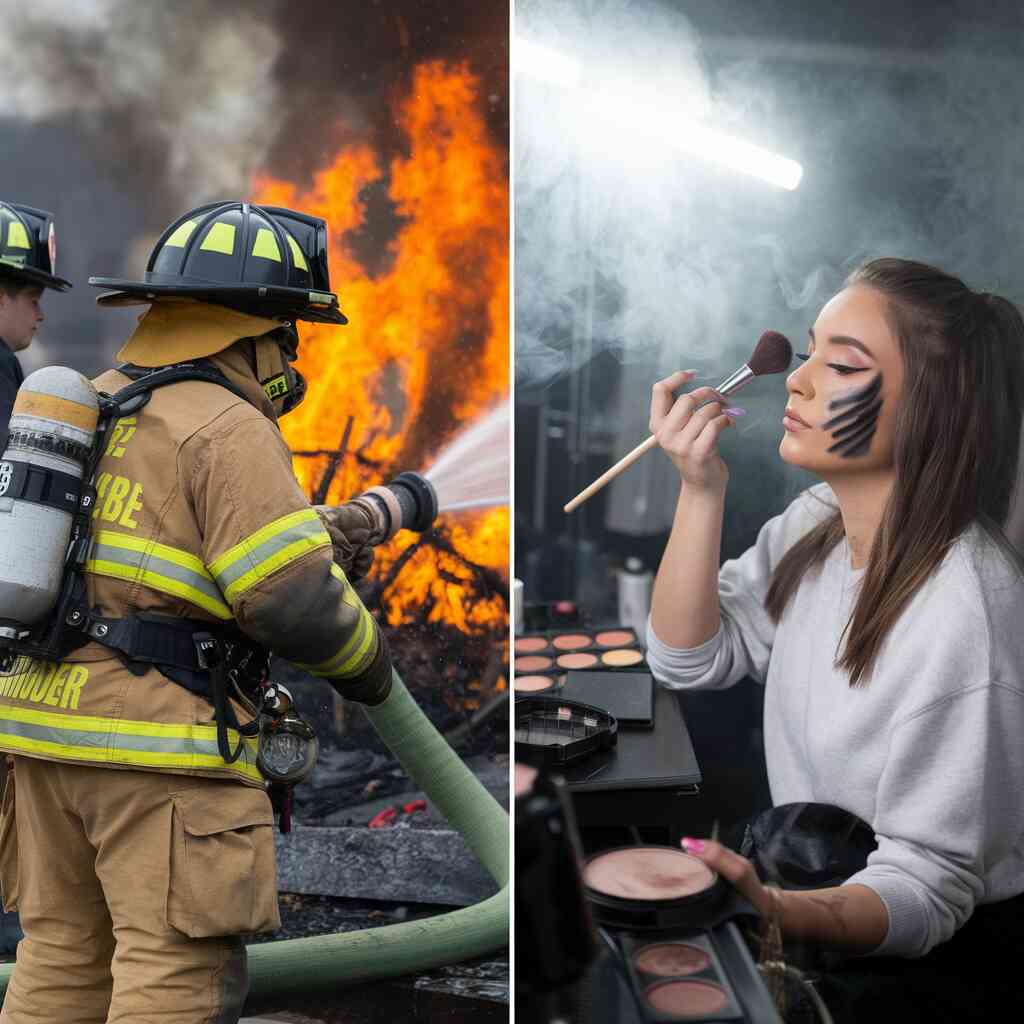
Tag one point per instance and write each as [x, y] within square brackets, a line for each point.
[350, 529]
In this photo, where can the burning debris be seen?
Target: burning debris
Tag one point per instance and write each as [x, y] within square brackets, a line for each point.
[426, 350]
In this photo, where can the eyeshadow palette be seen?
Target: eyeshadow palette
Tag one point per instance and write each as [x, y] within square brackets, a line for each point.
[681, 978]
[550, 731]
[556, 652]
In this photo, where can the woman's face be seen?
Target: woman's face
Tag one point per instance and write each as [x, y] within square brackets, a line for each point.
[841, 413]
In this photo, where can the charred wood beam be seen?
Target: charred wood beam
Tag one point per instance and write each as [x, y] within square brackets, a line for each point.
[333, 462]
[495, 704]
[492, 579]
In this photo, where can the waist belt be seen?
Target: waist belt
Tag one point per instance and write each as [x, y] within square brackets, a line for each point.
[197, 655]
[151, 639]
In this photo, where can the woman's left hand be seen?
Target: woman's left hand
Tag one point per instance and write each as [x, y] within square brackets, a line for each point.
[851, 917]
[733, 868]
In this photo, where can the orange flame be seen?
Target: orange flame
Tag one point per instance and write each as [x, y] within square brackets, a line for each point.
[426, 349]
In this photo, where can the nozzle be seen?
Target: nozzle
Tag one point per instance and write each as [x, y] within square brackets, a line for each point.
[409, 502]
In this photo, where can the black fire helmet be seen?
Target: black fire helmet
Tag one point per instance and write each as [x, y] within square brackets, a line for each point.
[261, 260]
[28, 247]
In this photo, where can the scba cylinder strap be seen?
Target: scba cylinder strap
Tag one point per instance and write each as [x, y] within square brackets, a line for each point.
[40, 485]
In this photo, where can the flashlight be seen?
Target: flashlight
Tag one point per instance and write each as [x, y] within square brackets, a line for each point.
[287, 747]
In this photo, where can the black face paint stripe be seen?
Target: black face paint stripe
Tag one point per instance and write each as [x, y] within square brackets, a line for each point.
[869, 414]
[854, 442]
[865, 394]
[857, 425]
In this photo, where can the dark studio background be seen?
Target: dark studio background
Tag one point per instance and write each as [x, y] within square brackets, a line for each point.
[633, 260]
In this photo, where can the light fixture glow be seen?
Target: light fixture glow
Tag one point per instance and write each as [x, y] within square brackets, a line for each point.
[661, 123]
[545, 65]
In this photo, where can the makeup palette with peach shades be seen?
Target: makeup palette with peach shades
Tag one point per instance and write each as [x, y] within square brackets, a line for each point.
[615, 648]
[681, 979]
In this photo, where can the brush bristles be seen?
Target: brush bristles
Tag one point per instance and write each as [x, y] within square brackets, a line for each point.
[773, 354]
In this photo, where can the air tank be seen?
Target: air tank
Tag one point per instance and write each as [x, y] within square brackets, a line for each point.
[50, 440]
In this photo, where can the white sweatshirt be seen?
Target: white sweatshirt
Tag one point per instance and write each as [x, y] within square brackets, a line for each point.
[930, 751]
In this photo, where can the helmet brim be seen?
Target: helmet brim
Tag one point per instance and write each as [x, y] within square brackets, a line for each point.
[273, 301]
[32, 276]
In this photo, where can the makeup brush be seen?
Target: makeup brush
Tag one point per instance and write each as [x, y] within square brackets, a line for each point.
[772, 354]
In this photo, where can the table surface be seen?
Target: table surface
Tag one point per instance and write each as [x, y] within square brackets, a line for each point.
[658, 758]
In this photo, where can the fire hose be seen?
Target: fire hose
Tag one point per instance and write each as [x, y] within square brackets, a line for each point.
[303, 965]
[329, 961]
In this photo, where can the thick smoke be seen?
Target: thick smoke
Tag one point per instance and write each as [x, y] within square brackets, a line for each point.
[186, 89]
[119, 115]
[910, 135]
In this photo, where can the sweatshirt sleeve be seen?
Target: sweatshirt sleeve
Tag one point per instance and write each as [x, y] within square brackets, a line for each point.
[949, 808]
[272, 559]
[743, 643]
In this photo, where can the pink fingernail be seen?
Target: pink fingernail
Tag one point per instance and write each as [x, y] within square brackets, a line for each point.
[734, 410]
[693, 845]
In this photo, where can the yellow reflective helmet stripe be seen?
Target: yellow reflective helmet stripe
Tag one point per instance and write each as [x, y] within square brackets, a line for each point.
[266, 245]
[270, 548]
[158, 566]
[220, 238]
[181, 235]
[117, 741]
[17, 236]
[298, 258]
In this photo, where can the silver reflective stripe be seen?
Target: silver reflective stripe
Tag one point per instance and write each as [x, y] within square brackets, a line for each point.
[109, 742]
[150, 564]
[253, 559]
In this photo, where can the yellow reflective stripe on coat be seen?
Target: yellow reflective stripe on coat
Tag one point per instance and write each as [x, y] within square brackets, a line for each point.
[117, 741]
[355, 653]
[270, 548]
[158, 566]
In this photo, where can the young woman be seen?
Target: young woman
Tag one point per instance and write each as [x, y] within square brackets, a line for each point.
[883, 610]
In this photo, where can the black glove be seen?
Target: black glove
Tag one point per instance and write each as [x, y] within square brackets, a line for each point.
[350, 528]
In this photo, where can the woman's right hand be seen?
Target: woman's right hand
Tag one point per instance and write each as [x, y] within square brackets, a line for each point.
[689, 435]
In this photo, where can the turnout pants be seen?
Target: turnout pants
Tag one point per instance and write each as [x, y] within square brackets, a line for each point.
[134, 889]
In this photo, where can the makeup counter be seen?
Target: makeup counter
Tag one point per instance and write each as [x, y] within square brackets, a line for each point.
[636, 931]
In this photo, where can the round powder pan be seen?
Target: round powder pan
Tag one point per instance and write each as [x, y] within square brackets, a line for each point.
[577, 660]
[687, 999]
[530, 645]
[615, 638]
[550, 731]
[665, 959]
[622, 658]
[527, 663]
[644, 887]
[533, 683]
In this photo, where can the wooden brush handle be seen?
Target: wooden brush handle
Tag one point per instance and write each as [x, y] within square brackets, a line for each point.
[609, 474]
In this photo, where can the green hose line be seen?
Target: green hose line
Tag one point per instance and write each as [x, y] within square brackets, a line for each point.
[322, 962]
[303, 965]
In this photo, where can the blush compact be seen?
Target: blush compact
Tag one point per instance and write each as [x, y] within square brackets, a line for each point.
[643, 887]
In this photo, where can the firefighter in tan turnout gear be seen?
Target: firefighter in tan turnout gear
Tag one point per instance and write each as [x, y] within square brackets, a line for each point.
[136, 836]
